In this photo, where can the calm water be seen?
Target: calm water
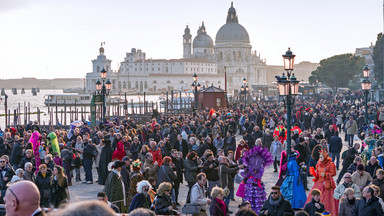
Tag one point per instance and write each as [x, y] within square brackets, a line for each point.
[38, 102]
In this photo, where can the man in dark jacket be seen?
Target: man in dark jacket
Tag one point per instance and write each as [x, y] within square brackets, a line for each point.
[229, 143]
[302, 160]
[335, 146]
[369, 205]
[179, 166]
[276, 205]
[125, 170]
[17, 154]
[224, 173]
[372, 166]
[88, 154]
[181, 145]
[348, 160]
[211, 169]
[5, 177]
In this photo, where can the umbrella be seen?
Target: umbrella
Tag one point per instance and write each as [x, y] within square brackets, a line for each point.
[77, 123]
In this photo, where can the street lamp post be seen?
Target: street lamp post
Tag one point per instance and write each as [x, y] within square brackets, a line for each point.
[366, 86]
[288, 87]
[244, 89]
[195, 87]
[103, 88]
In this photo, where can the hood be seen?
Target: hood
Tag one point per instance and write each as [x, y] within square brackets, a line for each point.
[120, 146]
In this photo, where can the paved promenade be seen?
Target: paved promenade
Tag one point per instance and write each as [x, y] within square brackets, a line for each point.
[81, 191]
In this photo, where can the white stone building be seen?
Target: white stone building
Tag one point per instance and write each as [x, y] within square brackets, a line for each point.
[231, 52]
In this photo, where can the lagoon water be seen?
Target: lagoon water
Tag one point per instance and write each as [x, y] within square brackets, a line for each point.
[38, 102]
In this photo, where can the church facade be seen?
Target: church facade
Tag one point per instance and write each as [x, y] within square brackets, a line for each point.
[231, 53]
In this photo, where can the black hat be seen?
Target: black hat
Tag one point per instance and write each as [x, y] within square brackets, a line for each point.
[301, 139]
[126, 158]
[118, 164]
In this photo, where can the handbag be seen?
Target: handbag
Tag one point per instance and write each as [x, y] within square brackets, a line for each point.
[238, 177]
[190, 208]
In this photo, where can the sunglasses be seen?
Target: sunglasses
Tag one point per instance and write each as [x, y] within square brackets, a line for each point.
[347, 177]
[2, 161]
[168, 190]
[17, 200]
[274, 192]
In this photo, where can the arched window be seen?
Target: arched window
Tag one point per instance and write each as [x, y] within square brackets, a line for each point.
[154, 82]
[145, 85]
[129, 85]
[239, 55]
[119, 85]
[124, 85]
[234, 56]
[136, 85]
[221, 56]
[141, 86]
[168, 82]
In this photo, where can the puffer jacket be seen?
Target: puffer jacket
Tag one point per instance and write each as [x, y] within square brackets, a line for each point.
[162, 204]
[345, 208]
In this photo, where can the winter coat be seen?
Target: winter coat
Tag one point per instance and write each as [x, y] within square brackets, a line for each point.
[340, 189]
[105, 159]
[165, 174]
[380, 184]
[212, 173]
[156, 153]
[346, 209]
[229, 144]
[351, 127]
[267, 140]
[135, 149]
[114, 189]
[183, 147]
[140, 201]
[349, 157]
[135, 178]
[335, 144]
[282, 209]
[179, 166]
[25, 160]
[276, 149]
[162, 204]
[59, 193]
[218, 143]
[304, 153]
[371, 169]
[191, 170]
[239, 149]
[224, 173]
[119, 153]
[44, 185]
[370, 208]
[30, 176]
[216, 210]
[17, 154]
[311, 209]
[150, 169]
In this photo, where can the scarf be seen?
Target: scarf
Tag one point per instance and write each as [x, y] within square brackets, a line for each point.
[222, 206]
[352, 201]
[275, 202]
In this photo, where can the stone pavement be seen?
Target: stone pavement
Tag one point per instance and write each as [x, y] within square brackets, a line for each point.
[79, 191]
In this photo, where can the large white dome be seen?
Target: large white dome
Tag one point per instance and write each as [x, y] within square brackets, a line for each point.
[232, 32]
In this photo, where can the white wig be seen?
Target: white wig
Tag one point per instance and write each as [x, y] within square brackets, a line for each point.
[142, 184]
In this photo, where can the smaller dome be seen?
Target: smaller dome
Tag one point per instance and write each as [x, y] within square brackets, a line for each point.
[203, 41]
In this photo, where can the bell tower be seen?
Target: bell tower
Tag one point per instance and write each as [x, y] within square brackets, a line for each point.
[187, 38]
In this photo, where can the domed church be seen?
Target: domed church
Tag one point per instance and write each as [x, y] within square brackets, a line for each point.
[231, 53]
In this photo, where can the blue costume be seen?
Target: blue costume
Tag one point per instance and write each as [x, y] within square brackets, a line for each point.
[292, 187]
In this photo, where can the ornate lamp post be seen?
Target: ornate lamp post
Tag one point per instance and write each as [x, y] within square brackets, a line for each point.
[244, 89]
[103, 89]
[195, 87]
[366, 86]
[288, 87]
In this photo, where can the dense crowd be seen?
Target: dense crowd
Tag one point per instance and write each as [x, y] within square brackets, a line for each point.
[143, 165]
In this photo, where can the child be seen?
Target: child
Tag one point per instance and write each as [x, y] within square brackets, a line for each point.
[57, 159]
[77, 166]
[314, 207]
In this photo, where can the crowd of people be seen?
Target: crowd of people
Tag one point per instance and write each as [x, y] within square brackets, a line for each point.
[144, 165]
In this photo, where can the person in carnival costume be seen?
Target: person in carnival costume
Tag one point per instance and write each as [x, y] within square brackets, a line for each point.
[35, 140]
[255, 160]
[292, 187]
[52, 139]
[323, 178]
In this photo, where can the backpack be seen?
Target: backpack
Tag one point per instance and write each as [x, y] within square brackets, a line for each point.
[344, 154]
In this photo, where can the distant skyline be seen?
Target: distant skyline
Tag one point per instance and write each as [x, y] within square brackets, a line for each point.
[58, 39]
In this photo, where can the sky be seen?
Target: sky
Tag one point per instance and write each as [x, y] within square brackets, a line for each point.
[58, 39]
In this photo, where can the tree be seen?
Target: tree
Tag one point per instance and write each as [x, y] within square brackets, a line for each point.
[378, 58]
[338, 71]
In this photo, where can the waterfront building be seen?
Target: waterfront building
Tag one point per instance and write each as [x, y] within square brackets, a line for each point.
[231, 53]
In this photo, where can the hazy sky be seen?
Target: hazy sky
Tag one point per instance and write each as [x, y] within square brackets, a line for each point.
[48, 39]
